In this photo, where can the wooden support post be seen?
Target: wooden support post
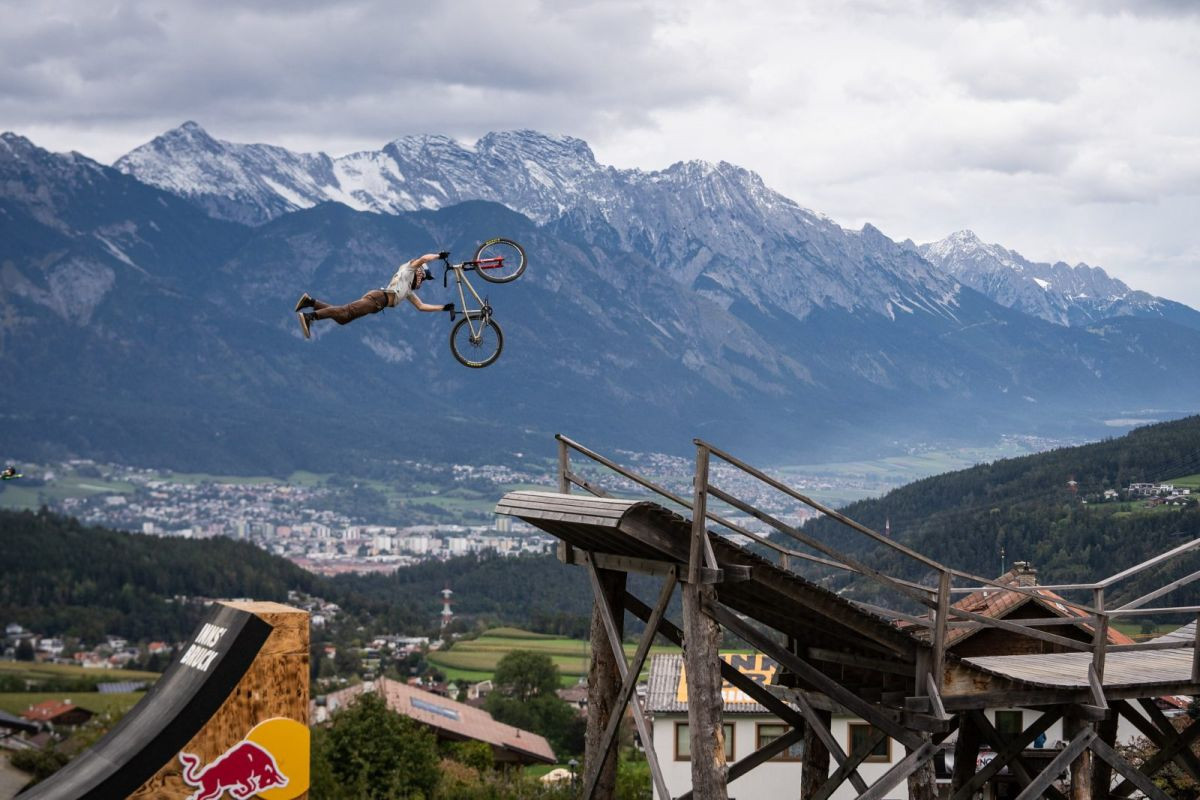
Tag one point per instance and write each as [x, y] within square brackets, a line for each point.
[1081, 766]
[1196, 652]
[1102, 770]
[701, 637]
[699, 519]
[1042, 782]
[1008, 753]
[564, 467]
[626, 694]
[941, 619]
[815, 765]
[922, 782]
[966, 754]
[607, 616]
[1100, 634]
[604, 682]
[808, 718]
[1113, 759]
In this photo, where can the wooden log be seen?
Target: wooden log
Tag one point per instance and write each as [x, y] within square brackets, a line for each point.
[1082, 772]
[966, 754]
[604, 685]
[701, 639]
[815, 764]
[1102, 770]
[922, 782]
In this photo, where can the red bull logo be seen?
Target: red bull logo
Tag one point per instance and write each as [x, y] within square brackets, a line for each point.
[271, 762]
[243, 770]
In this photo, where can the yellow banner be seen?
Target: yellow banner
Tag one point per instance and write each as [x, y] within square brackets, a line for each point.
[755, 666]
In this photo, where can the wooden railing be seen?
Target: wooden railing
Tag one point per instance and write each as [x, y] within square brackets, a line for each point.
[943, 615]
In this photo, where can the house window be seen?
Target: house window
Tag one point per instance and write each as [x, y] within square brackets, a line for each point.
[767, 732]
[860, 733]
[683, 742]
[1009, 724]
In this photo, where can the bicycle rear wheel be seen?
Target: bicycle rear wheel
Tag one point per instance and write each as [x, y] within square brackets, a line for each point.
[476, 352]
[500, 260]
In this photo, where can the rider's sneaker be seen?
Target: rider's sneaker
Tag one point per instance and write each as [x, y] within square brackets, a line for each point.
[304, 302]
[304, 320]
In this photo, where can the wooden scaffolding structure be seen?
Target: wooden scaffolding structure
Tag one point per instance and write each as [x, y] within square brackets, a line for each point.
[890, 668]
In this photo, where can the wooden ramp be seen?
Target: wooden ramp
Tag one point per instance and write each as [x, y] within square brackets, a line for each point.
[891, 669]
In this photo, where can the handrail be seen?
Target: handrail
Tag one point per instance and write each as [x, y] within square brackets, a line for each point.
[938, 599]
[879, 537]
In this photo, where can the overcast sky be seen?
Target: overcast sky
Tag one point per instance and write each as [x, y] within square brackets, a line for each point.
[1064, 130]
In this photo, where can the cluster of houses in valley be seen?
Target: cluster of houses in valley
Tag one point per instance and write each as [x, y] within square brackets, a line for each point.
[114, 652]
[1150, 495]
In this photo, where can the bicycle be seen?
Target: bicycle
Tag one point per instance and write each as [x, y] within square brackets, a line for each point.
[476, 340]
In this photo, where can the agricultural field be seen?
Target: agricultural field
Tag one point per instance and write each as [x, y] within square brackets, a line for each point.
[101, 704]
[476, 659]
[42, 673]
[1186, 482]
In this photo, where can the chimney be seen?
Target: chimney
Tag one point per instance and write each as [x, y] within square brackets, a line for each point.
[1025, 573]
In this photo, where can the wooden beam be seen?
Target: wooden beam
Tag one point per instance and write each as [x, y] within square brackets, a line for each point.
[618, 649]
[564, 467]
[941, 618]
[966, 755]
[1101, 768]
[850, 765]
[1094, 682]
[696, 557]
[814, 767]
[1185, 758]
[816, 544]
[1058, 766]
[604, 681]
[1024, 630]
[907, 766]
[1005, 751]
[1157, 593]
[813, 676]
[642, 566]
[1153, 764]
[861, 662]
[599, 755]
[1114, 760]
[808, 717]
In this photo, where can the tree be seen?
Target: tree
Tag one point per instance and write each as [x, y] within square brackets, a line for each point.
[526, 697]
[372, 752]
[524, 675]
[25, 650]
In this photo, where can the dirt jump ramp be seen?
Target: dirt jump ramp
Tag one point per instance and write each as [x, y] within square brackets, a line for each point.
[229, 718]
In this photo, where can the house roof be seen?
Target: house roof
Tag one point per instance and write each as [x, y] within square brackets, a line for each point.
[50, 710]
[15, 723]
[666, 690]
[450, 718]
[1001, 603]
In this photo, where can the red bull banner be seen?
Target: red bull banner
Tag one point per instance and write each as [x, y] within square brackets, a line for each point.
[272, 763]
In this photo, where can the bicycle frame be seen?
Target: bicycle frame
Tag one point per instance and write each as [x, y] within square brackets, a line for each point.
[476, 319]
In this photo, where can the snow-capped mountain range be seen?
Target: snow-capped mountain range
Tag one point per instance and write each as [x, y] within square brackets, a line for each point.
[658, 306]
[716, 227]
[1058, 293]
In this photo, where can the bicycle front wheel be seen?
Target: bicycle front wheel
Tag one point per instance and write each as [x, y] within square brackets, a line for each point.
[476, 351]
[500, 260]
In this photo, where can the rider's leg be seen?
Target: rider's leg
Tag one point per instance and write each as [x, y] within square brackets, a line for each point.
[372, 302]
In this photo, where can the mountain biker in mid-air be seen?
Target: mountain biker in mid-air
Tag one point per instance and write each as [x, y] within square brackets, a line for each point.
[404, 284]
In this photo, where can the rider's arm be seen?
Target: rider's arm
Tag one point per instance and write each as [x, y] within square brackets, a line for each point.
[421, 261]
[416, 301]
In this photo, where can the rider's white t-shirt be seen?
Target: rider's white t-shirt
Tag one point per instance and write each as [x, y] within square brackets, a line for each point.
[400, 286]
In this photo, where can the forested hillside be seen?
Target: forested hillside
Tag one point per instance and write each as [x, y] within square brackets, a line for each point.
[1027, 508]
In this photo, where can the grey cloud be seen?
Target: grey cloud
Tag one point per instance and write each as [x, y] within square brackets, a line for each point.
[370, 66]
